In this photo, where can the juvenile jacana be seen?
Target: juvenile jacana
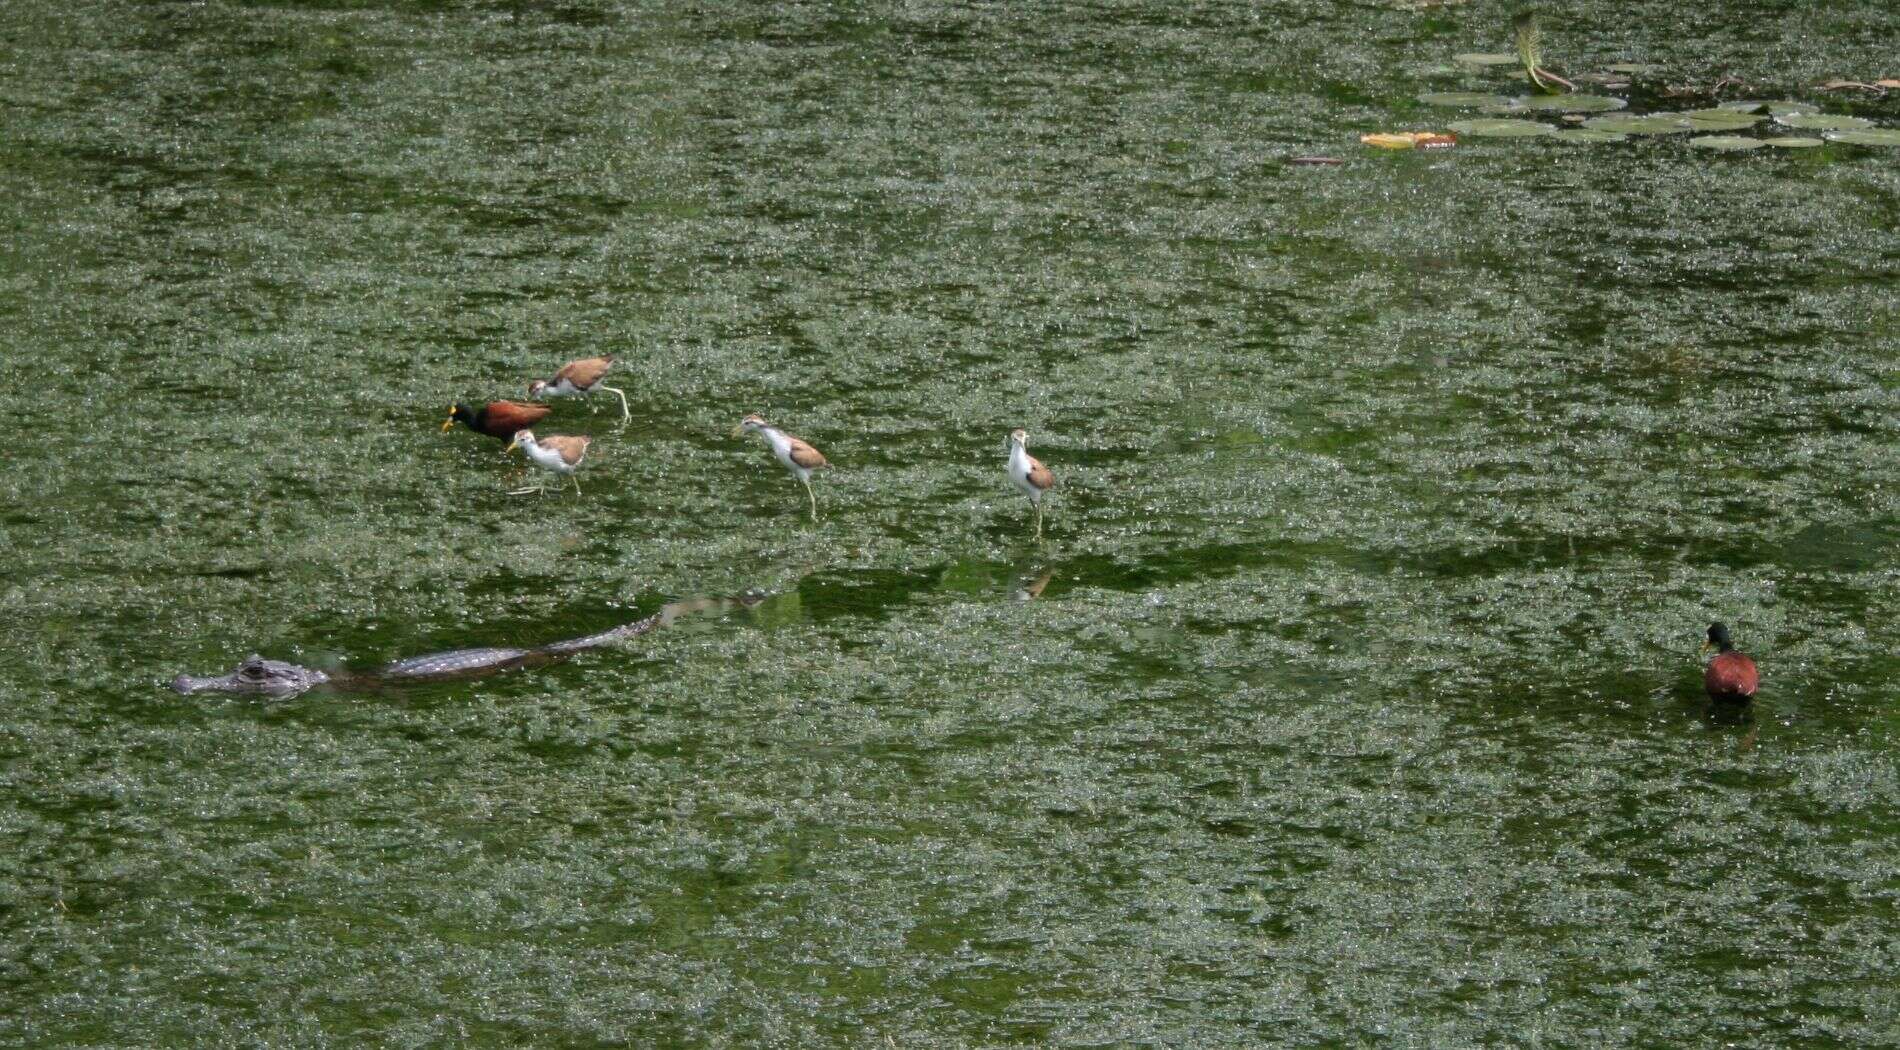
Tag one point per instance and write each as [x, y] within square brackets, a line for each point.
[1028, 473]
[799, 458]
[579, 379]
[497, 419]
[1731, 675]
[557, 453]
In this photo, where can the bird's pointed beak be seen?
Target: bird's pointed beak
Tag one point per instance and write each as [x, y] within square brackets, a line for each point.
[739, 431]
[1705, 647]
[512, 447]
[447, 423]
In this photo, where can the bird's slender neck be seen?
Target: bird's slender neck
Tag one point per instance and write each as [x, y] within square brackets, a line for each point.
[774, 436]
[1723, 645]
[1018, 453]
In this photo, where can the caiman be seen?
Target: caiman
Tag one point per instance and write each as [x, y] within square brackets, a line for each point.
[281, 680]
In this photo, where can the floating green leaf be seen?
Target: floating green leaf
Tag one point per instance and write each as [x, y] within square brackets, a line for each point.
[1823, 121]
[1587, 135]
[1786, 109]
[1741, 122]
[1718, 115]
[1740, 106]
[1871, 137]
[1463, 99]
[1654, 124]
[1485, 58]
[1725, 142]
[1572, 103]
[1500, 129]
[1795, 142]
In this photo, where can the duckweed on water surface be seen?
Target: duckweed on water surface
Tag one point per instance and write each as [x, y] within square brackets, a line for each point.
[1352, 697]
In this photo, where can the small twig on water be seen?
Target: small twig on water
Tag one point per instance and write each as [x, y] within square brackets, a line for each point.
[1853, 85]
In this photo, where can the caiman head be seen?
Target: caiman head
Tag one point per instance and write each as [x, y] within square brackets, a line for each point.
[273, 678]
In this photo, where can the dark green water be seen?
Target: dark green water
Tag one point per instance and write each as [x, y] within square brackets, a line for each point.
[1359, 703]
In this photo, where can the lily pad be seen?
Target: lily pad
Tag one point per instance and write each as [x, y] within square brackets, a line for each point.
[1463, 99]
[1654, 124]
[1795, 142]
[1718, 115]
[1587, 135]
[1870, 137]
[1719, 125]
[1788, 109]
[1823, 121]
[1501, 129]
[1572, 103]
[1725, 142]
[1740, 106]
[1486, 58]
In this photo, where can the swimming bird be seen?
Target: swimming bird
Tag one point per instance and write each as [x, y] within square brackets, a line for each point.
[497, 419]
[557, 453]
[1028, 473]
[579, 379]
[1731, 675]
[799, 458]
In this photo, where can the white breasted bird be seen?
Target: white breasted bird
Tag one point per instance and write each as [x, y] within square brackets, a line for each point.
[557, 453]
[1028, 473]
[799, 458]
[579, 379]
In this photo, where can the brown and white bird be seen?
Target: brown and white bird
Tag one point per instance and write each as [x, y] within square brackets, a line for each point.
[497, 419]
[799, 458]
[556, 453]
[579, 379]
[1028, 473]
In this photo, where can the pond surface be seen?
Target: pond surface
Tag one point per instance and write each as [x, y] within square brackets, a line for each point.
[1351, 696]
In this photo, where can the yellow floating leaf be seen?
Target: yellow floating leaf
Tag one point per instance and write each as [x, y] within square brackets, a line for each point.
[1409, 140]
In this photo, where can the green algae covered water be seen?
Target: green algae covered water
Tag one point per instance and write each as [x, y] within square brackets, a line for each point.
[1351, 698]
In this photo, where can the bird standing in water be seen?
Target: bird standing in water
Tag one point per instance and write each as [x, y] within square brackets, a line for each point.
[558, 453]
[1731, 675]
[799, 458]
[497, 419]
[1028, 473]
[579, 379]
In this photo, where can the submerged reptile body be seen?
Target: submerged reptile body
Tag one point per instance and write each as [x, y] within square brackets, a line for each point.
[278, 678]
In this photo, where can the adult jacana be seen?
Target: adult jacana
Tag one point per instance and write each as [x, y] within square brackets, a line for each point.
[579, 379]
[497, 419]
[1028, 473]
[799, 458]
[1731, 676]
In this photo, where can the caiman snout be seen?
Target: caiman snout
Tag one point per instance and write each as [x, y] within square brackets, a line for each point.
[256, 675]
